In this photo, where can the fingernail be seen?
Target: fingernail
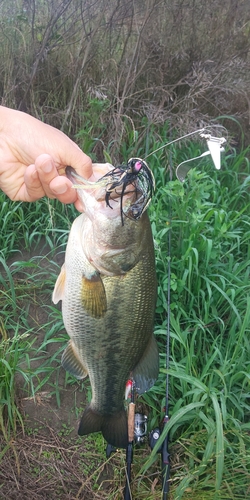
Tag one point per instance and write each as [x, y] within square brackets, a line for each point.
[61, 189]
[47, 167]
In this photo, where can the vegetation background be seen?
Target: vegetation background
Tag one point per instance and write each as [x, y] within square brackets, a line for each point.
[122, 79]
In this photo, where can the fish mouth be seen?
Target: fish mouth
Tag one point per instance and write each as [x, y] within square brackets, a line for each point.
[69, 171]
[73, 176]
[133, 181]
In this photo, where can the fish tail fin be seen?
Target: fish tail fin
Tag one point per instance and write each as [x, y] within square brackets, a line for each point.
[113, 427]
[91, 421]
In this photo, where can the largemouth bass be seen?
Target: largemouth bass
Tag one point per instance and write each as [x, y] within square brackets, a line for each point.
[108, 290]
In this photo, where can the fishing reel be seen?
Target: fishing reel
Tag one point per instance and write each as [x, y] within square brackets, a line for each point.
[155, 434]
[153, 438]
[140, 432]
[141, 427]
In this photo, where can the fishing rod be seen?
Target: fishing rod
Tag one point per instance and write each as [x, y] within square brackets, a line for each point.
[155, 434]
[137, 432]
[131, 434]
[165, 455]
[137, 422]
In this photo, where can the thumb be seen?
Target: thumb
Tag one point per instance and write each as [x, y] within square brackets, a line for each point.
[74, 157]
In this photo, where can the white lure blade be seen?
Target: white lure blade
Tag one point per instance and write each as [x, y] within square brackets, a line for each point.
[215, 151]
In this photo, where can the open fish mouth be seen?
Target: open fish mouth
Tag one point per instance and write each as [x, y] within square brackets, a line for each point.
[134, 180]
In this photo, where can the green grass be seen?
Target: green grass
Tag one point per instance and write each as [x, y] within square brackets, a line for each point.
[158, 61]
[210, 324]
[209, 375]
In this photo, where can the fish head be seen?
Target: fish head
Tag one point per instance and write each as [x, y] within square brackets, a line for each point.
[127, 189]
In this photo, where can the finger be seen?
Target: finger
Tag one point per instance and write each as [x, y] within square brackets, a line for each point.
[56, 185]
[63, 189]
[47, 171]
[78, 160]
[32, 188]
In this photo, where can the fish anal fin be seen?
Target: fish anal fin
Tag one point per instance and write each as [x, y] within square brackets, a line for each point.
[58, 291]
[146, 371]
[114, 427]
[93, 296]
[72, 363]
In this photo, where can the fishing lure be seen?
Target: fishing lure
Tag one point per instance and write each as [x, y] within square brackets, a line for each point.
[135, 175]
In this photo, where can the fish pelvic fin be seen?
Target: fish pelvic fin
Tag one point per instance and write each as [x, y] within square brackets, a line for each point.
[114, 427]
[58, 291]
[93, 296]
[146, 371]
[72, 363]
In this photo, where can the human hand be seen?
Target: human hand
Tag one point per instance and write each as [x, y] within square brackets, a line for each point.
[32, 157]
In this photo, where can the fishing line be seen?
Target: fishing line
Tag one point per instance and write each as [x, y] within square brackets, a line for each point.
[175, 140]
[215, 146]
[198, 131]
[165, 452]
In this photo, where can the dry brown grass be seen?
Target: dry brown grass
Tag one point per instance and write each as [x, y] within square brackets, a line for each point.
[185, 61]
[46, 465]
[50, 467]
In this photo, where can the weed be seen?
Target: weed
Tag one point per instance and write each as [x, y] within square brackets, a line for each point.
[210, 317]
[210, 321]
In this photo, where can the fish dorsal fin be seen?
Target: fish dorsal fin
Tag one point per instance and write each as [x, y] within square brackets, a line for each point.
[93, 296]
[58, 291]
[146, 371]
[72, 363]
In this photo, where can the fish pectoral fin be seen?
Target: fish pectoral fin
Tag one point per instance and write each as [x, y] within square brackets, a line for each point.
[114, 427]
[58, 291]
[93, 296]
[146, 371]
[72, 363]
